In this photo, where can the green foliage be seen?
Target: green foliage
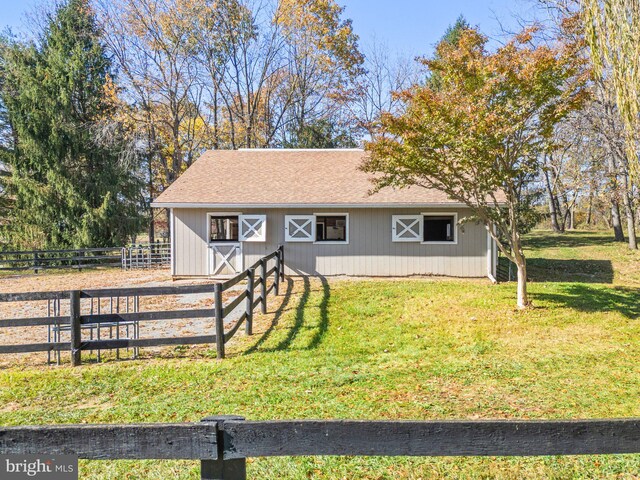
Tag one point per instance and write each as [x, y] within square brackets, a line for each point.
[322, 134]
[451, 37]
[71, 182]
[454, 32]
[7, 144]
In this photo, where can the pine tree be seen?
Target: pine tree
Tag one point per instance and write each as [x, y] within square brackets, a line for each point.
[7, 144]
[451, 37]
[70, 184]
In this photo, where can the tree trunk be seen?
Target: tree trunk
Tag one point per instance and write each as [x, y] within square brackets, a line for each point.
[631, 228]
[572, 217]
[523, 298]
[553, 211]
[615, 221]
[152, 228]
[521, 264]
[628, 210]
[590, 208]
[615, 206]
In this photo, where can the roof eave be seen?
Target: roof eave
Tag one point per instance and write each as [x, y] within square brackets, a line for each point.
[309, 205]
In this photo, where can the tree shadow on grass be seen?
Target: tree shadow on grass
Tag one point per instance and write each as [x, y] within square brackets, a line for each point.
[301, 320]
[583, 271]
[573, 239]
[591, 299]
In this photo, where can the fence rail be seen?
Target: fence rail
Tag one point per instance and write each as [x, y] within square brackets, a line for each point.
[224, 443]
[134, 256]
[258, 275]
[506, 270]
[146, 255]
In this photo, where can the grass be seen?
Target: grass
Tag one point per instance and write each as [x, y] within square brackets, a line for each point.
[387, 349]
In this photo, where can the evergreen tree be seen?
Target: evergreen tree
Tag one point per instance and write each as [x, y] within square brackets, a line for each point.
[454, 32]
[451, 37]
[70, 183]
[321, 134]
[7, 144]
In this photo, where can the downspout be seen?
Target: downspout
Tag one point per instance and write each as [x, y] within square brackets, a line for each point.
[490, 262]
[172, 243]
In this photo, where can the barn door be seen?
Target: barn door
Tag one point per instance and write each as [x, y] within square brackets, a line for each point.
[225, 258]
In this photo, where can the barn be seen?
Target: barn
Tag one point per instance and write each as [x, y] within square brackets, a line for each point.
[232, 207]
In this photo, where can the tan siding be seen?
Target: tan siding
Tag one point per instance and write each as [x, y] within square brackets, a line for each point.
[191, 245]
[370, 250]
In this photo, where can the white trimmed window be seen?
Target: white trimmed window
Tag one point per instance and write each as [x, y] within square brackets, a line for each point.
[440, 228]
[332, 228]
[406, 228]
[223, 227]
[253, 228]
[428, 228]
[318, 228]
[299, 228]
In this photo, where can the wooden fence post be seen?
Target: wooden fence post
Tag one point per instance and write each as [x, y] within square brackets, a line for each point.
[250, 285]
[222, 469]
[219, 321]
[35, 262]
[281, 248]
[263, 285]
[276, 277]
[75, 330]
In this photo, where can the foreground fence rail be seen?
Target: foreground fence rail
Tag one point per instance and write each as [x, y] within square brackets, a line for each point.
[82, 314]
[224, 443]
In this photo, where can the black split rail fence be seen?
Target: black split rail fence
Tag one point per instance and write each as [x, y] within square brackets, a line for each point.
[222, 444]
[85, 312]
[132, 256]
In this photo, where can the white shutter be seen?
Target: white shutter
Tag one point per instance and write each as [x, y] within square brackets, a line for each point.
[253, 228]
[406, 228]
[299, 228]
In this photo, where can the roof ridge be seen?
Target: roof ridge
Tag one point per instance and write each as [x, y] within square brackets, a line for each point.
[296, 150]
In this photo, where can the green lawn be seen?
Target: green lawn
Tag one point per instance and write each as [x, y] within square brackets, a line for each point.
[410, 349]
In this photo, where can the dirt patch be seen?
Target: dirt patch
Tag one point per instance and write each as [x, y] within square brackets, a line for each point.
[96, 279]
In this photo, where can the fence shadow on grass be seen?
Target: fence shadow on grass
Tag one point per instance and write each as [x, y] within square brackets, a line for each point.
[303, 319]
[587, 298]
[276, 318]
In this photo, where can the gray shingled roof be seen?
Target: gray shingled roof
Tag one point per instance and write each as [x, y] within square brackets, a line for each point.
[288, 178]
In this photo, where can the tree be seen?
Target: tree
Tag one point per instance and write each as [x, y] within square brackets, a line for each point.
[612, 30]
[570, 169]
[161, 95]
[482, 131]
[606, 127]
[71, 181]
[324, 59]
[451, 37]
[199, 74]
[383, 76]
[7, 140]
[607, 33]
[322, 134]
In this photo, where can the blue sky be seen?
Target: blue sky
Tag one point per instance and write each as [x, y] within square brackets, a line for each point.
[408, 27]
